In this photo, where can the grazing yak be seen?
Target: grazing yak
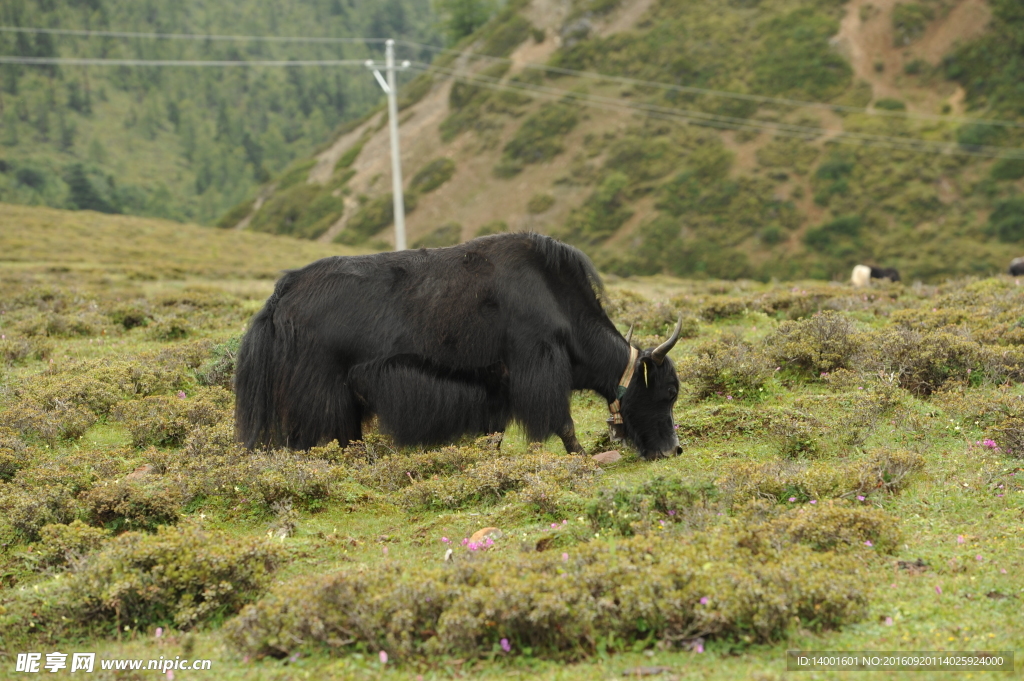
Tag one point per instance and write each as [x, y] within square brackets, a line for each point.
[1017, 267]
[443, 342]
[862, 274]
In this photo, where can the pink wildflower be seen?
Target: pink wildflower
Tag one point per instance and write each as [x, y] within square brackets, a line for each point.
[960, 539]
[383, 657]
[181, 394]
[704, 600]
[888, 621]
[159, 632]
[445, 540]
[860, 497]
[938, 590]
[792, 499]
[505, 645]
[868, 543]
[978, 558]
[565, 557]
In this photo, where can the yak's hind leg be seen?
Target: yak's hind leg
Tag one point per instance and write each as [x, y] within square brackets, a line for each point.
[540, 389]
[315, 401]
[421, 404]
[568, 435]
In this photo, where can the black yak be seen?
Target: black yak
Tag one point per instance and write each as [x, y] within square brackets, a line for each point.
[443, 342]
[1017, 267]
[862, 274]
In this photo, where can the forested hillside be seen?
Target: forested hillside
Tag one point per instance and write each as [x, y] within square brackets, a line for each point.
[697, 158]
[181, 143]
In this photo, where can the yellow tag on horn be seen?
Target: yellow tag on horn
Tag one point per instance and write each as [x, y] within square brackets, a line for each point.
[645, 375]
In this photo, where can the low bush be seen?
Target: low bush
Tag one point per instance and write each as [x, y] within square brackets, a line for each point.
[838, 525]
[488, 480]
[825, 342]
[539, 203]
[219, 369]
[179, 576]
[62, 422]
[729, 367]
[923, 362]
[63, 545]
[160, 420]
[538, 138]
[729, 582]
[636, 510]
[432, 175]
[28, 511]
[131, 505]
[780, 481]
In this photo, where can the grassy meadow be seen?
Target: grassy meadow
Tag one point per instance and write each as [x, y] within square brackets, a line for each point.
[852, 478]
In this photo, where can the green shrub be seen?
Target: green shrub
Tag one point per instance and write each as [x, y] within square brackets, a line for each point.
[62, 422]
[488, 480]
[601, 214]
[296, 173]
[236, 214]
[639, 510]
[170, 329]
[832, 525]
[916, 67]
[840, 238]
[130, 315]
[27, 511]
[796, 58]
[779, 481]
[890, 104]
[374, 216]
[219, 369]
[1008, 169]
[506, 36]
[729, 367]
[212, 464]
[1007, 220]
[14, 350]
[63, 545]
[728, 583]
[818, 345]
[923, 362]
[909, 21]
[160, 420]
[303, 210]
[432, 175]
[13, 454]
[538, 138]
[131, 505]
[796, 433]
[539, 203]
[180, 576]
[448, 234]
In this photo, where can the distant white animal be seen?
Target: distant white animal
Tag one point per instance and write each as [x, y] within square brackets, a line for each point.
[861, 275]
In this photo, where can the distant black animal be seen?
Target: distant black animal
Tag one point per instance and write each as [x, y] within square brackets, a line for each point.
[443, 342]
[890, 273]
[1017, 267]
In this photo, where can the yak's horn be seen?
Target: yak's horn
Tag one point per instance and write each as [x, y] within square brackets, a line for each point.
[629, 334]
[658, 354]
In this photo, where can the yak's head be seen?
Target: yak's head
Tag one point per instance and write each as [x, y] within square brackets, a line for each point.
[646, 407]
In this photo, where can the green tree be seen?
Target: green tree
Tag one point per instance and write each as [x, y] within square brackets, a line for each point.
[462, 17]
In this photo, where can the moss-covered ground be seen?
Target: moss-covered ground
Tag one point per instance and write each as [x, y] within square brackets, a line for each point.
[832, 437]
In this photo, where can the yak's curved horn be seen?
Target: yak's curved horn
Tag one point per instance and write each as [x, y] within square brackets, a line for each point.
[658, 354]
[629, 334]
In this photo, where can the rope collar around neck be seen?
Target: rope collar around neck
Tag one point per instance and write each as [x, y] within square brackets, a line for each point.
[615, 427]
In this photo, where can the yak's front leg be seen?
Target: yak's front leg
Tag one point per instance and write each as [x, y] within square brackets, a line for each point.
[568, 435]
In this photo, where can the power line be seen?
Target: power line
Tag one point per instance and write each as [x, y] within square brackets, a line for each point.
[762, 99]
[89, 61]
[185, 36]
[732, 123]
